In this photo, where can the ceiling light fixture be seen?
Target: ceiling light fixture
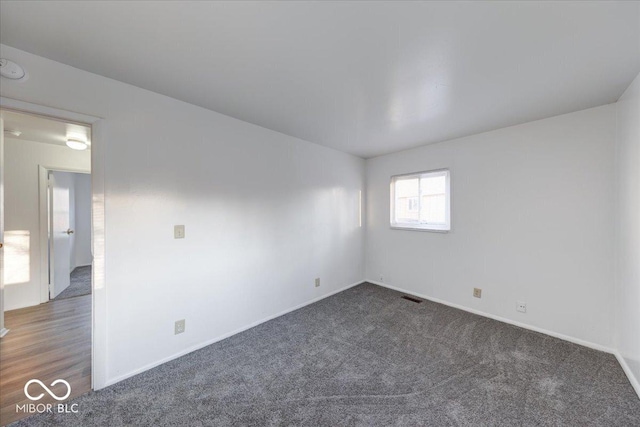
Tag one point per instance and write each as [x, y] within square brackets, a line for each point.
[13, 132]
[76, 144]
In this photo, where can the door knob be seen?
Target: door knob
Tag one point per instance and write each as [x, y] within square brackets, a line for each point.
[69, 231]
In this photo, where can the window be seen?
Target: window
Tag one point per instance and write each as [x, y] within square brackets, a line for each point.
[413, 204]
[421, 201]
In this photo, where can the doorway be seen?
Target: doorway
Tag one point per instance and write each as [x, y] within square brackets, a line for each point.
[47, 225]
[69, 233]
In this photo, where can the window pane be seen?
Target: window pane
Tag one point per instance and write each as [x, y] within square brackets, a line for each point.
[406, 204]
[433, 209]
[421, 201]
[434, 185]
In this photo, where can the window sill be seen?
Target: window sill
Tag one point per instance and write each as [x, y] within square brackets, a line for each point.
[430, 230]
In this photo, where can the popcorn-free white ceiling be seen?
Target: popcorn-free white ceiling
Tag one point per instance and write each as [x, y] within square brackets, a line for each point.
[367, 78]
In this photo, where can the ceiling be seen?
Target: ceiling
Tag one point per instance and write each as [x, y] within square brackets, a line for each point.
[366, 78]
[42, 129]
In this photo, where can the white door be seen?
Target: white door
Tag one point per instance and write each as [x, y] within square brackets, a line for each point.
[60, 237]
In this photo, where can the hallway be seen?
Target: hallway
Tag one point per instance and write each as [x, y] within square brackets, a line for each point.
[45, 342]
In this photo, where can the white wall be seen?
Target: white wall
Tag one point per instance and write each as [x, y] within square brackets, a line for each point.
[532, 212]
[22, 213]
[265, 214]
[3, 330]
[627, 306]
[82, 200]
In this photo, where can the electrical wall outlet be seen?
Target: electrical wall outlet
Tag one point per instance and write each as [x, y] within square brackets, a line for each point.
[179, 327]
[477, 292]
[317, 282]
[178, 231]
[521, 307]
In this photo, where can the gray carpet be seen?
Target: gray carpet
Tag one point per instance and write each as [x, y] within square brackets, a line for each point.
[366, 357]
[80, 283]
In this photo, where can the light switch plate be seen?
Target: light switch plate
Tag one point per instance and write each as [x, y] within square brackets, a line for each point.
[178, 231]
[317, 282]
[179, 327]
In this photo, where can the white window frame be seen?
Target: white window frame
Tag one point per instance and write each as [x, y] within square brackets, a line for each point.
[418, 225]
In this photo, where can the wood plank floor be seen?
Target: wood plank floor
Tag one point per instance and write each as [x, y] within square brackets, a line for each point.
[45, 342]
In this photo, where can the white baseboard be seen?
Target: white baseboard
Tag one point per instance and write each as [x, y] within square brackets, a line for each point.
[224, 336]
[632, 378]
[502, 319]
